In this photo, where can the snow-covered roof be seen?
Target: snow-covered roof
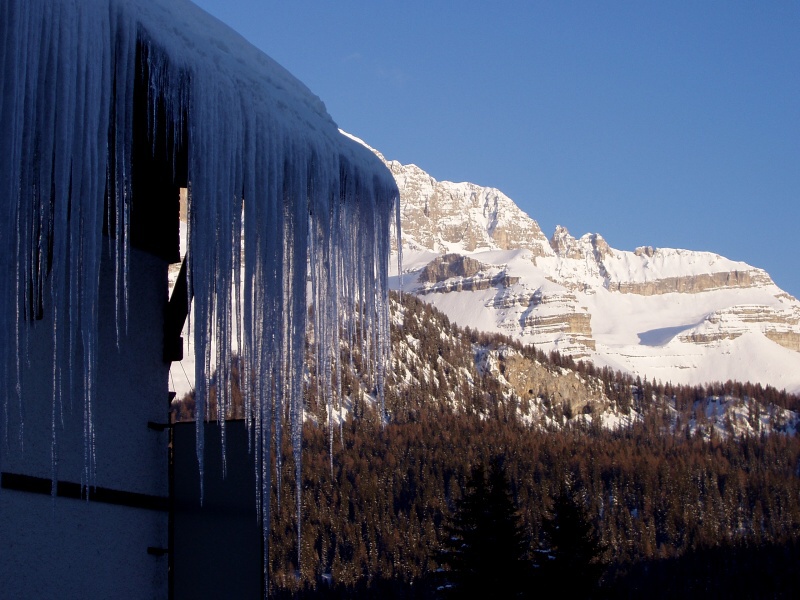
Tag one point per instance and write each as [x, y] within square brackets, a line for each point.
[207, 48]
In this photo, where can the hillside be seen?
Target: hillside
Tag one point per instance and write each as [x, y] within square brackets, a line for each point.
[668, 476]
[438, 365]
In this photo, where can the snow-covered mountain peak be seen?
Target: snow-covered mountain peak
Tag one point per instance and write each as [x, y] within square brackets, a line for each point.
[663, 313]
[564, 245]
[591, 246]
[443, 216]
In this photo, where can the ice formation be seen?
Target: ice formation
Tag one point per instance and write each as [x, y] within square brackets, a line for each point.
[264, 161]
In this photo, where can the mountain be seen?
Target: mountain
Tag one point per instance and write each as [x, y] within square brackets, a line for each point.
[665, 314]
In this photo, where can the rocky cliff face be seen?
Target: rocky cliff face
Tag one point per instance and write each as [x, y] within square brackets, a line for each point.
[537, 383]
[670, 314]
[442, 216]
[692, 284]
[457, 273]
[782, 326]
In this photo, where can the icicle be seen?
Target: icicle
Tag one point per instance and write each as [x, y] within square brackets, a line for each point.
[268, 172]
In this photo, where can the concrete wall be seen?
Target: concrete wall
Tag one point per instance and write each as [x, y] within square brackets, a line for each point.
[71, 548]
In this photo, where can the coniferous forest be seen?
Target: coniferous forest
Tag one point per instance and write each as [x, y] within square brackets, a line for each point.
[462, 492]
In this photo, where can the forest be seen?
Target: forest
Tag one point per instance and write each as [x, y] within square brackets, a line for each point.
[669, 505]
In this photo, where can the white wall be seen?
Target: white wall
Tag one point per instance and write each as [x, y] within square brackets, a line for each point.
[71, 548]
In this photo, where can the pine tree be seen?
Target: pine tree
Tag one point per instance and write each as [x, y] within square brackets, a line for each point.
[486, 550]
[572, 566]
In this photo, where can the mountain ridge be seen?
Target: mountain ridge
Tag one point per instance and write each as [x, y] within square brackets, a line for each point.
[678, 315]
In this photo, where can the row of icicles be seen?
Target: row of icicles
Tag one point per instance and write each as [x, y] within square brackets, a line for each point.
[315, 224]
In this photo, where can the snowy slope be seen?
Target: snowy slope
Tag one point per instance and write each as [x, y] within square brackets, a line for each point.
[667, 314]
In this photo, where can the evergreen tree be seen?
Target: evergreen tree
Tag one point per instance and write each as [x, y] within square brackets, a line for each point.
[486, 549]
[573, 564]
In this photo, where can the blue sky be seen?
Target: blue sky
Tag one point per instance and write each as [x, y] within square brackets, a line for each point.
[673, 124]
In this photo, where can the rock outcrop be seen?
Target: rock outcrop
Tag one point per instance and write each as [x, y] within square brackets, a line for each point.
[457, 273]
[440, 215]
[531, 380]
[692, 284]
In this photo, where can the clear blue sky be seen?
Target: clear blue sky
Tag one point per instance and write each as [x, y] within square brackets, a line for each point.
[673, 124]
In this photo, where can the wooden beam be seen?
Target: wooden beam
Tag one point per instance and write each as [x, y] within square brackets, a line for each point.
[176, 312]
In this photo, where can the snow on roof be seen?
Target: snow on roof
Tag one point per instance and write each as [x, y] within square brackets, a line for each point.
[196, 41]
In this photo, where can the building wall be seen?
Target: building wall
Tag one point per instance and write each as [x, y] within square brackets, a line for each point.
[70, 548]
[218, 545]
